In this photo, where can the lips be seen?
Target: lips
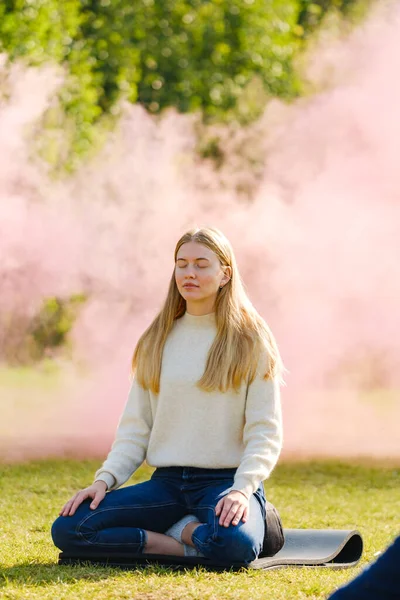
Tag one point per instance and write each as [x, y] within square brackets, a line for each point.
[190, 285]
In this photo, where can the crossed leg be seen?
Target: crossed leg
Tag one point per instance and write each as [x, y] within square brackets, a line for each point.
[236, 543]
[133, 518]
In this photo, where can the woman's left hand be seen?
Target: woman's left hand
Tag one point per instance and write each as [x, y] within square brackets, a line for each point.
[231, 508]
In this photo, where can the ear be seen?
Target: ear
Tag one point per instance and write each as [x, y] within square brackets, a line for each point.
[227, 275]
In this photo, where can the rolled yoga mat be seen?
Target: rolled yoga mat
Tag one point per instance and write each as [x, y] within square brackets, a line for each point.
[302, 548]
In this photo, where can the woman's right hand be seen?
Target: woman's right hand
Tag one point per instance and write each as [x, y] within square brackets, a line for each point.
[96, 491]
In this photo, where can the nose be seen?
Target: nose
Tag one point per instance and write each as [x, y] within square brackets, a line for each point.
[190, 273]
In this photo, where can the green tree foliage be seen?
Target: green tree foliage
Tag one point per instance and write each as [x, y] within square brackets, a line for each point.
[312, 12]
[40, 29]
[200, 54]
[191, 54]
[51, 325]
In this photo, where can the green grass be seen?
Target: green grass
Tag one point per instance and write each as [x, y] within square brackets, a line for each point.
[310, 495]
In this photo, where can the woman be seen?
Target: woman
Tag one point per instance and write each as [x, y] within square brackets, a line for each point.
[204, 409]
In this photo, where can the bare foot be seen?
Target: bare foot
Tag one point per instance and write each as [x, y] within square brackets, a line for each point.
[188, 532]
[158, 543]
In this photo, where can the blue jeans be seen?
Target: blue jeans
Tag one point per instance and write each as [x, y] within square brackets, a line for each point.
[120, 522]
[379, 581]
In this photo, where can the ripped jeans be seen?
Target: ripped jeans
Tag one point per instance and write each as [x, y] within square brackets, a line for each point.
[120, 522]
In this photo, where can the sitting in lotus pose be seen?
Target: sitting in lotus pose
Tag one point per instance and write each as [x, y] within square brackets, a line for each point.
[204, 409]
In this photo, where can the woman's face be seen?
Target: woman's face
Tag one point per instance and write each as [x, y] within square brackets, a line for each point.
[199, 274]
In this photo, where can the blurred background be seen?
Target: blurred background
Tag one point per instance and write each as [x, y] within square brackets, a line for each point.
[122, 124]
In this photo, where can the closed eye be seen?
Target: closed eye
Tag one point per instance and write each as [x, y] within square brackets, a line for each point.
[200, 265]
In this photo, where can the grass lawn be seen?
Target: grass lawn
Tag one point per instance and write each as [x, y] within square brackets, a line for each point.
[310, 495]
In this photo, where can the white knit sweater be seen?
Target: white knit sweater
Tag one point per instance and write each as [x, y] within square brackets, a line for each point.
[186, 426]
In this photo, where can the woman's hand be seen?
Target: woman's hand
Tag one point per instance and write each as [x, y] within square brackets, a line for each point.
[96, 491]
[231, 508]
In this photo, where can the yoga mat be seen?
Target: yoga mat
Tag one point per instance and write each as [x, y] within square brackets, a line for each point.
[303, 548]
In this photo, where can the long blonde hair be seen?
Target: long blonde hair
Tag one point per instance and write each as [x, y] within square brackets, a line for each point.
[242, 334]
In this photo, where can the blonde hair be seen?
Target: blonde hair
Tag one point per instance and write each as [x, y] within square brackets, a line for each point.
[242, 338]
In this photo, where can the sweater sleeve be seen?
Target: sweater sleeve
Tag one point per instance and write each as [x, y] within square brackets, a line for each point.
[129, 448]
[262, 433]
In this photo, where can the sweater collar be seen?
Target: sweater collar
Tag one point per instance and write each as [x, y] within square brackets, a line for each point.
[198, 321]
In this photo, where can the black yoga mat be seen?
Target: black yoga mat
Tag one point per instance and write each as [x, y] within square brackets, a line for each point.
[315, 548]
[303, 548]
